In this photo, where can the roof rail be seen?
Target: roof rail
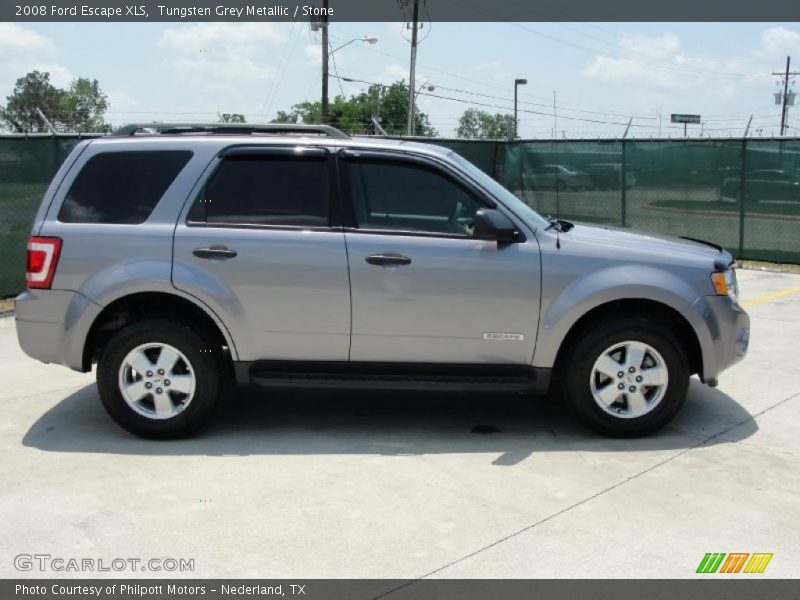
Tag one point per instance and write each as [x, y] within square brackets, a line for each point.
[232, 129]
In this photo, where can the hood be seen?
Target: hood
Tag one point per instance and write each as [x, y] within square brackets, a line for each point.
[638, 243]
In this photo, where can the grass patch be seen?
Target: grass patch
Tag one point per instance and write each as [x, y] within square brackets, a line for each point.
[6, 305]
[751, 208]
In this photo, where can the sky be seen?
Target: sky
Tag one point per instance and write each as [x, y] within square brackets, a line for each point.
[602, 74]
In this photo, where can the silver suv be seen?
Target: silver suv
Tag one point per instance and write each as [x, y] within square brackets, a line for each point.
[185, 258]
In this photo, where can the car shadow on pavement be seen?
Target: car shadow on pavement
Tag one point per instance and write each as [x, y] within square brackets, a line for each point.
[261, 422]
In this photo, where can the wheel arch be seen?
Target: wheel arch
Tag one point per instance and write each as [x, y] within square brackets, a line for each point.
[140, 305]
[650, 309]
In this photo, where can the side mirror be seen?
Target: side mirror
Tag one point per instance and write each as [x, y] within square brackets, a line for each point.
[491, 224]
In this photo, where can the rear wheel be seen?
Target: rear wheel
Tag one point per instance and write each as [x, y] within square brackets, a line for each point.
[626, 377]
[160, 379]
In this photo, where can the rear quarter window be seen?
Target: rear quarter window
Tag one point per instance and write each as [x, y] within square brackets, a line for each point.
[121, 187]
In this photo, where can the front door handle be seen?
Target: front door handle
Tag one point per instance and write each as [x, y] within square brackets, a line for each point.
[215, 251]
[388, 259]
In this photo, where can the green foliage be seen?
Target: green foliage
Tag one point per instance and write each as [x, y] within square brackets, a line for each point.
[80, 108]
[477, 124]
[388, 104]
[32, 91]
[232, 118]
[83, 106]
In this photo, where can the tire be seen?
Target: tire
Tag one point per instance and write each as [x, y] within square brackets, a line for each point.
[198, 368]
[650, 407]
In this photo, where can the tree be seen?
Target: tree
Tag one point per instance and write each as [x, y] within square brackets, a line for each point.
[32, 91]
[81, 107]
[388, 103]
[476, 124]
[231, 118]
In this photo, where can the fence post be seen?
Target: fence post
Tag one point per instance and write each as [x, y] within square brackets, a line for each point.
[742, 192]
[623, 185]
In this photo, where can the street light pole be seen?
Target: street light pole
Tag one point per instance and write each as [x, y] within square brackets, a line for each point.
[659, 121]
[325, 55]
[517, 83]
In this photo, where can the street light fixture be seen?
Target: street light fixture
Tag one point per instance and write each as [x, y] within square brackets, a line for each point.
[371, 40]
[517, 83]
[425, 85]
[326, 54]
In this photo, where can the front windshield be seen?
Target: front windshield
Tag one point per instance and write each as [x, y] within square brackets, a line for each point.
[507, 198]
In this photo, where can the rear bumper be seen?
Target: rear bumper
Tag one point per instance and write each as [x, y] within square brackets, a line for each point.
[52, 325]
[726, 335]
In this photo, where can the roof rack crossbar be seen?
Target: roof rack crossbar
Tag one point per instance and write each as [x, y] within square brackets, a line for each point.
[232, 128]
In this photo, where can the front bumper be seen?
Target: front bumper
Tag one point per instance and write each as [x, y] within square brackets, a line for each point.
[52, 325]
[726, 334]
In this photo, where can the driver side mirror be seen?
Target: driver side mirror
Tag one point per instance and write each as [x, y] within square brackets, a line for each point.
[491, 224]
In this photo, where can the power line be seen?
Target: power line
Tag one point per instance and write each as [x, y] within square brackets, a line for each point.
[484, 104]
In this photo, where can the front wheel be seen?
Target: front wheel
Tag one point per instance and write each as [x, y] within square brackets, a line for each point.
[160, 379]
[626, 377]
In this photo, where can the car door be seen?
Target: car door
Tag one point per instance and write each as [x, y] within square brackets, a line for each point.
[259, 245]
[423, 289]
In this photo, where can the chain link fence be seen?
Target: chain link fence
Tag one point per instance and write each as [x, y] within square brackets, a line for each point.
[741, 194]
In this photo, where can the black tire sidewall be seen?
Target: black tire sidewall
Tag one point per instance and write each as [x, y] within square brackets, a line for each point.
[205, 365]
[581, 359]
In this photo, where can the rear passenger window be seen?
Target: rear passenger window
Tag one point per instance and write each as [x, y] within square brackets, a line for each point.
[121, 187]
[266, 190]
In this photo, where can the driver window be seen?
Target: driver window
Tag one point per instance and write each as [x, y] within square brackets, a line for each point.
[408, 197]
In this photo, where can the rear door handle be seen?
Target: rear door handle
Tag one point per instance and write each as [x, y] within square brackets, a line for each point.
[215, 251]
[388, 259]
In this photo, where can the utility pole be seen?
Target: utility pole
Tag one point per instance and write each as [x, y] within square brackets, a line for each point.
[517, 83]
[785, 96]
[411, 82]
[324, 27]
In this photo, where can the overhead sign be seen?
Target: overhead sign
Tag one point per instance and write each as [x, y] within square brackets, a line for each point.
[677, 118]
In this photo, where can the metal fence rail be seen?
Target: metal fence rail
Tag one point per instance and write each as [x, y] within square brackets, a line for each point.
[741, 194]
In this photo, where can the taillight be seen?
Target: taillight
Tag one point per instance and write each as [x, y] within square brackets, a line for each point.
[41, 261]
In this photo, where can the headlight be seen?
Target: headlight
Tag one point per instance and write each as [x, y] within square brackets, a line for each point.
[725, 283]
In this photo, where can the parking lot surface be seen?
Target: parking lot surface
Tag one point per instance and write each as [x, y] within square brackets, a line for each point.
[320, 484]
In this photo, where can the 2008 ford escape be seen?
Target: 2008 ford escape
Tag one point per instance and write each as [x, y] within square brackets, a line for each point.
[181, 258]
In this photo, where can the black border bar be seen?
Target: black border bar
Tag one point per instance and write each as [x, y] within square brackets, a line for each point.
[400, 10]
[708, 587]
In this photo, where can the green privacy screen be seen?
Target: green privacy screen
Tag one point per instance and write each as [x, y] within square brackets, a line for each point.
[742, 194]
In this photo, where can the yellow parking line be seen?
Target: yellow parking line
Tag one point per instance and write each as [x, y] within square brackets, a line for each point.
[772, 296]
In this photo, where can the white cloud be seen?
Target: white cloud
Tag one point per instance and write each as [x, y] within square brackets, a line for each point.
[60, 76]
[656, 47]
[218, 58]
[313, 52]
[656, 61]
[780, 41]
[16, 41]
[119, 101]
[394, 72]
[247, 36]
[23, 50]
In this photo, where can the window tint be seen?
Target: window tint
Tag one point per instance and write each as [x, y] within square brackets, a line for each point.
[402, 196]
[266, 190]
[121, 187]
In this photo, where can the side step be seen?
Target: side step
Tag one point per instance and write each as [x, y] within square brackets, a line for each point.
[408, 377]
